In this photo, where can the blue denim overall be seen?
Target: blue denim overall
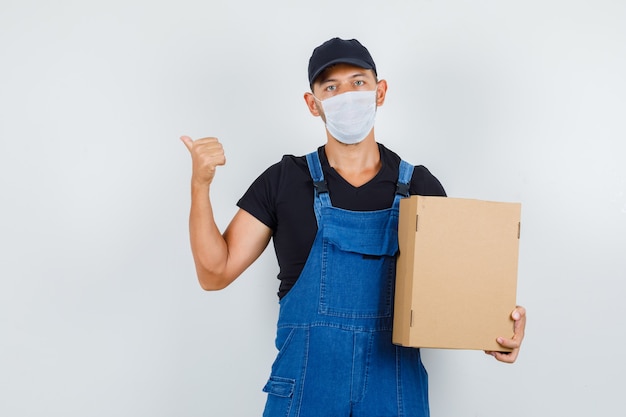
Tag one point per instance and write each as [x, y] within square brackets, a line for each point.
[336, 358]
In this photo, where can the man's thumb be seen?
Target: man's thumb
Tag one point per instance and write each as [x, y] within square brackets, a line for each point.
[187, 141]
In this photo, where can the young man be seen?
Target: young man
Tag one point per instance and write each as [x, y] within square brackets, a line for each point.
[333, 218]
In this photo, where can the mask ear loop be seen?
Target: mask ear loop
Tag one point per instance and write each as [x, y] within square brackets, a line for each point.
[321, 106]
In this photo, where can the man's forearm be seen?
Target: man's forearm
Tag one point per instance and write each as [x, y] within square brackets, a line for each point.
[208, 246]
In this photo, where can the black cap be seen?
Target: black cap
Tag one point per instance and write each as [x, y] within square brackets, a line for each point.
[339, 51]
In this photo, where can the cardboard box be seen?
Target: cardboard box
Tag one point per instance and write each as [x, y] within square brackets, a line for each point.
[456, 273]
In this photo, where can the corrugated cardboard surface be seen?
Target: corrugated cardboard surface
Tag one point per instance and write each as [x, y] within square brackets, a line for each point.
[456, 273]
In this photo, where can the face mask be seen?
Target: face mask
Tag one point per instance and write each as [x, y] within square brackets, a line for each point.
[350, 116]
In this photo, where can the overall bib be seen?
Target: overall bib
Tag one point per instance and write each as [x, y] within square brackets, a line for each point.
[336, 358]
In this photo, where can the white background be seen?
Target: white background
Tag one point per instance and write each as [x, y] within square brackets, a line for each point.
[100, 311]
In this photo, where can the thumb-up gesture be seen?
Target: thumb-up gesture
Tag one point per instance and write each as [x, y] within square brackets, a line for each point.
[206, 155]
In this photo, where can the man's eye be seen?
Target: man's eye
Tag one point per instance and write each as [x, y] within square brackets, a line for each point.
[359, 83]
[331, 88]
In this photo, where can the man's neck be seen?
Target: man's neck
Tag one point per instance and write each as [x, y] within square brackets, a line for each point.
[357, 163]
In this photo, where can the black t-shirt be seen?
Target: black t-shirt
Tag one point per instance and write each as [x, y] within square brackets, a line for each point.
[282, 199]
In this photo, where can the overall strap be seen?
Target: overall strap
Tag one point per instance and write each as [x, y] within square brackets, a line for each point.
[404, 181]
[322, 199]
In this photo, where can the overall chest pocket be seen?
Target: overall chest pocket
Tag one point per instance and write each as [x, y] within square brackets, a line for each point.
[358, 271]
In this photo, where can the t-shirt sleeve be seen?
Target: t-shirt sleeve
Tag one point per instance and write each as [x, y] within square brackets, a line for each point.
[259, 199]
[425, 183]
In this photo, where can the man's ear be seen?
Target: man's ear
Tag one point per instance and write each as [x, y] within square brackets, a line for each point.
[381, 92]
[312, 104]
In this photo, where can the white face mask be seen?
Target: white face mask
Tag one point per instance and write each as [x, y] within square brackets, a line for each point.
[350, 116]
